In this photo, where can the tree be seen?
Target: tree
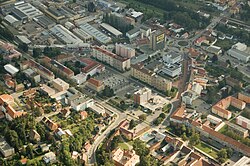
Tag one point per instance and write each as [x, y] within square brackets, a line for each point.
[222, 155]
[194, 139]
[140, 148]
[162, 115]
[214, 58]
[29, 151]
[37, 52]
[132, 124]
[24, 47]
[142, 117]
[91, 7]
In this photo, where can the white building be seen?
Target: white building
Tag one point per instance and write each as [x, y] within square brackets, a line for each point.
[214, 119]
[188, 97]
[240, 51]
[11, 69]
[142, 96]
[172, 57]
[171, 70]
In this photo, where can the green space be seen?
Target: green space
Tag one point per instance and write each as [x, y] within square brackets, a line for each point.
[123, 146]
[224, 44]
[223, 129]
[207, 149]
[172, 93]
[183, 43]
[166, 108]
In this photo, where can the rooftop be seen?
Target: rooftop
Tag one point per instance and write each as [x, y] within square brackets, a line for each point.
[111, 29]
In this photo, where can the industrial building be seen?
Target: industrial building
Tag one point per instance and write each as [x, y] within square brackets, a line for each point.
[11, 20]
[99, 36]
[110, 29]
[83, 35]
[44, 21]
[25, 11]
[65, 35]
[240, 51]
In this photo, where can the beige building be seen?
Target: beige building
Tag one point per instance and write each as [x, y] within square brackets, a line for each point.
[110, 58]
[139, 72]
[60, 85]
[124, 51]
[142, 95]
[125, 157]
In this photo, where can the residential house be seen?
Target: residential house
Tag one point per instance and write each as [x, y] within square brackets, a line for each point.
[49, 157]
[84, 115]
[34, 136]
[5, 148]
[125, 157]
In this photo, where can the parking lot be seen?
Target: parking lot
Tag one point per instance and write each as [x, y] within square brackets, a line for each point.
[201, 106]
[114, 80]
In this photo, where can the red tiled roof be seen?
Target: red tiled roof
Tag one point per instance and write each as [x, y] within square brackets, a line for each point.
[95, 82]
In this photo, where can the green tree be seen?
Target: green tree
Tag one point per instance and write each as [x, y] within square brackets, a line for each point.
[194, 139]
[142, 117]
[132, 124]
[37, 52]
[222, 155]
[29, 151]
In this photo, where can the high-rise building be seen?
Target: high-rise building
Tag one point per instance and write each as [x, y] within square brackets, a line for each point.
[124, 51]
[157, 40]
[142, 95]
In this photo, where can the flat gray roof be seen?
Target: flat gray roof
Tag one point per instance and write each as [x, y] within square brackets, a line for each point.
[101, 37]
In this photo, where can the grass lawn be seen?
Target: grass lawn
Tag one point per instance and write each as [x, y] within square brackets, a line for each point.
[123, 146]
[223, 129]
[224, 44]
[206, 149]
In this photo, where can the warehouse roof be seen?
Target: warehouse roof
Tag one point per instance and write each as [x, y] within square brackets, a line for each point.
[11, 69]
[111, 29]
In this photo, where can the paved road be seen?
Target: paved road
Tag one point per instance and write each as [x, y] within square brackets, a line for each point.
[120, 117]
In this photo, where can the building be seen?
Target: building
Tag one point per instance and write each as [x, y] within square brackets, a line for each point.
[244, 96]
[98, 109]
[97, 35]
[9, 107]
[137, 16]
[47, 90]
[44, 21]
[244, 122]
[213, 119]
[31, 74]
[157, 40]
[91, 67]
[233, 82]
[60, 85]
[118, 62]
[221, 107]
[141, 73]
[188, 97]
[6, 149]
[11, 20]
[49, 157]
[171, 70]
[23, 11]
[214, 50]
[57, 67]
[125, 157]
[145, 31]
[65, 36]
[240, 51]
[142, 96]
[50, 124]
[124, 51]
[116, 33]
[34, 136]
[238, 130]
[172, 57]
[41, 70]
[79, 102]
[83, 35]
[243, 161]
[8, 51]
[95, 85]
[11, 69]
[133, 33]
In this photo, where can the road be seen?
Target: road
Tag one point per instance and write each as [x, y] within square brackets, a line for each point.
[120, 117]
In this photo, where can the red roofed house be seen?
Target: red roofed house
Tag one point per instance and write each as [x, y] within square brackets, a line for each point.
[84, 115]
[95, 84]
[6, 105]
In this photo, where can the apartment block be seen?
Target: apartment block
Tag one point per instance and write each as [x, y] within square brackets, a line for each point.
[60, 85]
[142, 96]
[145, 75]
[118, 62]
[124, 51]
[238, 130]
[244, 122]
